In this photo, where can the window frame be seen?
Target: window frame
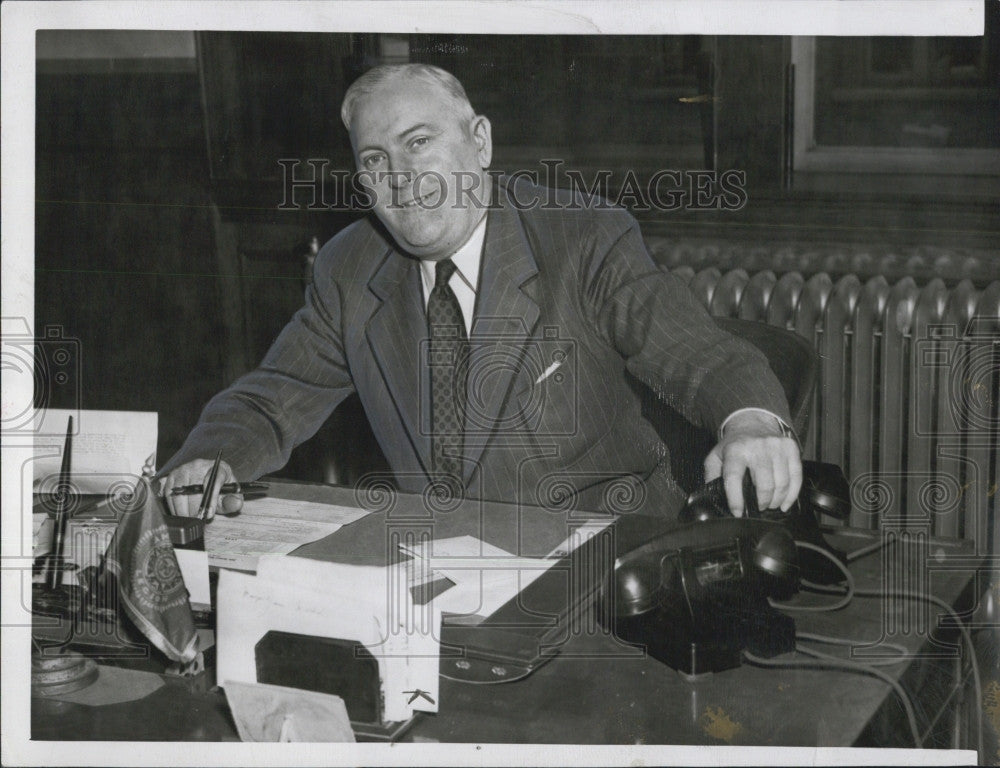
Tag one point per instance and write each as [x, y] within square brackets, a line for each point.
[972, 172]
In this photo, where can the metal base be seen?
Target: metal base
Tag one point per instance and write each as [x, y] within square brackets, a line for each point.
[61, 673]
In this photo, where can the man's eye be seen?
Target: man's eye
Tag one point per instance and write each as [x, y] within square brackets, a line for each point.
[418, 142]
[372, 161]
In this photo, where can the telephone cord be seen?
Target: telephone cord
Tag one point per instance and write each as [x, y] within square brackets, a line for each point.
[866, 550]
[852, 591]
[847, 666]
[845, 600]
[966, 637]
[885, 661]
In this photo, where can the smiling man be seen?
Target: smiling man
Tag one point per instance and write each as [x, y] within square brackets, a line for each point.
[493, 344]
[424, 160]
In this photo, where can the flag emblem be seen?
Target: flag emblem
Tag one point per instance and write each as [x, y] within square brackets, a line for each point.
[158, 582]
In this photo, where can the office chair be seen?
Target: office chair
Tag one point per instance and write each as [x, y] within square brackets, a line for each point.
[794, 362]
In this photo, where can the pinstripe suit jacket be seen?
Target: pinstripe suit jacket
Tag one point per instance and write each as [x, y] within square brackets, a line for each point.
[570, 309]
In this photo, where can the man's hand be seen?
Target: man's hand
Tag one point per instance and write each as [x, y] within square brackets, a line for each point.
[195, 473]
[754, 440]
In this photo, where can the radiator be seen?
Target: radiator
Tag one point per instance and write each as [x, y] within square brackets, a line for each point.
[908, 393]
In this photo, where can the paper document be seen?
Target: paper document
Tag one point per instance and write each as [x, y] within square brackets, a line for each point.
[580, 535]
[486, 577]
[42, 527]
[110, 448]
[275, 713]
[194, 569]
[271, 526]
[402, 637]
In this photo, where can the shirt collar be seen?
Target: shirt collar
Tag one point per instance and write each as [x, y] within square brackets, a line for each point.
[468, 259]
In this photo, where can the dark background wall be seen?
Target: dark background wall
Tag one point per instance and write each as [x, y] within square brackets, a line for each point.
[124, 246]
[161, 242]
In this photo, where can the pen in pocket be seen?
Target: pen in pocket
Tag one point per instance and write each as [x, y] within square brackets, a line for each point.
[548, 371]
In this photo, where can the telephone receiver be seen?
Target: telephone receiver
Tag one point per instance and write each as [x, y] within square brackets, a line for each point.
[825, 491]
[696, 592]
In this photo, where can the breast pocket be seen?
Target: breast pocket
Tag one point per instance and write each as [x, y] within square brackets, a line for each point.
[562, 399]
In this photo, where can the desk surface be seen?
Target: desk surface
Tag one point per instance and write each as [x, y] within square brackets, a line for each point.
[597, 690]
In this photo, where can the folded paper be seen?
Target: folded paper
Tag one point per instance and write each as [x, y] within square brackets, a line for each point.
[276, 713]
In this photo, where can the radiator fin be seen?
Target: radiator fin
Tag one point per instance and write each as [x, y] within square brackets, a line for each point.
[908, 391]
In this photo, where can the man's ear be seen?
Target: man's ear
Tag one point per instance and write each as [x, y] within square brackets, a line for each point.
[482, 134]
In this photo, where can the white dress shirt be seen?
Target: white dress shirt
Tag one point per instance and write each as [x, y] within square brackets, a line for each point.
[466, 278]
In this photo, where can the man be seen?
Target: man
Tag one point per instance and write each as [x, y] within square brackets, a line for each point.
[491, 338]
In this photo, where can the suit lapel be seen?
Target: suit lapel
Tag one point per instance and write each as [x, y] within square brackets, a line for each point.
[395, 333]
[504, 319]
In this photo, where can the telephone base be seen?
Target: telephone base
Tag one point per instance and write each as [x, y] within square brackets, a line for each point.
[695, 647]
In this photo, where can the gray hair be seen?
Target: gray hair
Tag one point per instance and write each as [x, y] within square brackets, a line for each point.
[371, 80]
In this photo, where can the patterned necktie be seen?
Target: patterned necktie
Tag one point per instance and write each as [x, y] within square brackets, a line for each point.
[448, 358]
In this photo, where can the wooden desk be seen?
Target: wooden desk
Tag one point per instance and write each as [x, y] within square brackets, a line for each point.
[599, 691]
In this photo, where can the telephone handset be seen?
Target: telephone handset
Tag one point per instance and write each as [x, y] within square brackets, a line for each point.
[696, 593]
[824, 491]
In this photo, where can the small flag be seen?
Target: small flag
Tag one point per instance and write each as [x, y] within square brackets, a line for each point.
[150, 585]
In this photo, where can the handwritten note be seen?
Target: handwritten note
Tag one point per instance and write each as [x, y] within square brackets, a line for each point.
[272, 526]
[111, 449]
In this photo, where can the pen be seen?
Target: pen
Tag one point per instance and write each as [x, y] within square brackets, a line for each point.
[207, 494]
[64, 499]
[188, 490]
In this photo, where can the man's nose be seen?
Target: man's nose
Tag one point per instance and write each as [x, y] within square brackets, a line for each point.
[399, 174]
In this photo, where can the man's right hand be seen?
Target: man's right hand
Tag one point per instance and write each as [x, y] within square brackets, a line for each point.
[194, 473]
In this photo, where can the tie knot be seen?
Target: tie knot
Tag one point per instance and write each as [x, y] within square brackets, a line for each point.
[443, 271]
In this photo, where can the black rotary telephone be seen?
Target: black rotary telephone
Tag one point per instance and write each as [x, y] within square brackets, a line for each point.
[695, 593]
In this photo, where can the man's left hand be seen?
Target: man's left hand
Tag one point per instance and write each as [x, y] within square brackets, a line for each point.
[755, 441]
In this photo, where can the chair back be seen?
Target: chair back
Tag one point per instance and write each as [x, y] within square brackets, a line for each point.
[793, 361]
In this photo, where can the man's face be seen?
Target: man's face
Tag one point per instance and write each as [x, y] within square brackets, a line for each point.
[419, 160]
